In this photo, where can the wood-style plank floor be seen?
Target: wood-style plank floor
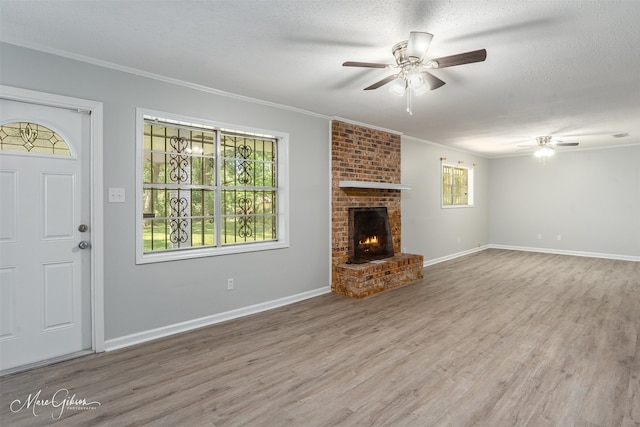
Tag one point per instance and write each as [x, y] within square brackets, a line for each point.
[497, 338]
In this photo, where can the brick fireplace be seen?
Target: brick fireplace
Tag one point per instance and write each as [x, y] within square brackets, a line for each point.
[362, 154]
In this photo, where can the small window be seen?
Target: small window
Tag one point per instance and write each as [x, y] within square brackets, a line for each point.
[32, 138]
[208, 189]
[457, 186]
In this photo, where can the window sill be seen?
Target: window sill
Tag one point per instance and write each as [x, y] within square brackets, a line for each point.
[177, 255]
[456, 206]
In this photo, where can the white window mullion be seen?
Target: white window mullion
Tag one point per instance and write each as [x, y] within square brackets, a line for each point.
[218, 193]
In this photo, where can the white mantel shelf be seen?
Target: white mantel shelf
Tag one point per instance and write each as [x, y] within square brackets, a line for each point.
[375, 185]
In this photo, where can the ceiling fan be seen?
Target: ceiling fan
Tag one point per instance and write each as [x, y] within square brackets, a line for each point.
[412, 76]
[545, 146]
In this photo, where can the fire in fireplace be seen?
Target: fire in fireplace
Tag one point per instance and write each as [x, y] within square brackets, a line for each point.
[369, 234]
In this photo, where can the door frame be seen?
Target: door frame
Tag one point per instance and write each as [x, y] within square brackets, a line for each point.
[95, 198]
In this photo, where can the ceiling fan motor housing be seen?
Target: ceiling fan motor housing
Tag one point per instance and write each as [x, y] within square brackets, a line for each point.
[399, 51]
[543, 140]
[406, 63]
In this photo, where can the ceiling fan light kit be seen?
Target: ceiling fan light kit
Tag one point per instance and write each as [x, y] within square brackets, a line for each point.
[545, 146]
[398, 86]
[418, 44]
[544, 152]
[412, 78]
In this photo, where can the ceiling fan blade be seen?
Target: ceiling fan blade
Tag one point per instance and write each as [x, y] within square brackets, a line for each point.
[459, 59]
[566, 144]
[433, 81]
[382, 82]
[418, 44]
[365, 64]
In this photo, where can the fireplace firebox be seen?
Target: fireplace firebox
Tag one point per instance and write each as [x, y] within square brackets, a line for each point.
[369, 234]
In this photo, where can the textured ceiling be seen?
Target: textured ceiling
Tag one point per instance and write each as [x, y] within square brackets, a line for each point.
[570, 69]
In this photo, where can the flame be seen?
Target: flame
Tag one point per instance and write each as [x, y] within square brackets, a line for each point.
[373, 240]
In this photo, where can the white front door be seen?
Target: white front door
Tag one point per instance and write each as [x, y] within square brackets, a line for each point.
[45, 300]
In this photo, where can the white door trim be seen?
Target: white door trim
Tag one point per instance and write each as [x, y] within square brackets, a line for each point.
[96, 177]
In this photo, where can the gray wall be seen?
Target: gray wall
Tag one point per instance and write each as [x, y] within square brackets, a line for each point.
[428, 229]
[590, 198]
[143, 297]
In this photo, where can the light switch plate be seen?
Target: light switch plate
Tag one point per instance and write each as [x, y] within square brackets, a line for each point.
[116, 195]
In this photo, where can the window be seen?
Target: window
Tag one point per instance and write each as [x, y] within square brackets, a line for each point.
[208, 190]
[457, 186]
[32, 138]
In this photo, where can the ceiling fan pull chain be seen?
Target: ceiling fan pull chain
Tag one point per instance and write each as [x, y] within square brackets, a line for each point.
[409, 109]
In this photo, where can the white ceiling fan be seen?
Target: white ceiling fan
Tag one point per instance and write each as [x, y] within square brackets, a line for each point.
[545, 146]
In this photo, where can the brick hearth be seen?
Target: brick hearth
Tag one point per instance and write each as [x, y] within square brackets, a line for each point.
[361, 280]
[362, 154]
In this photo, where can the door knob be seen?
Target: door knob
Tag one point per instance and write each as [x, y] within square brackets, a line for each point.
[84, 244]
[82, 228]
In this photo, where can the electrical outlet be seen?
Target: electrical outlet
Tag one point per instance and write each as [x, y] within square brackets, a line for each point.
[539, 236]
[230, 284]
[559, 237]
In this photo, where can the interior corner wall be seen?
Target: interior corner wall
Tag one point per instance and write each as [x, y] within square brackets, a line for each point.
[141, 298]
[577, 201]
[427, 228]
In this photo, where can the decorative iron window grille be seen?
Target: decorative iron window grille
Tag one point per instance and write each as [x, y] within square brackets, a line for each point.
[194, 198]
[248, 188]
[32, 138]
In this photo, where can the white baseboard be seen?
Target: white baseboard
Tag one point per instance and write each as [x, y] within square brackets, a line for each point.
[453, 256]
[566, 252]
[140, 337]
[528, 249]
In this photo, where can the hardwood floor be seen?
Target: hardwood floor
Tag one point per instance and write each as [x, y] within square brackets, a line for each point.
[495, 338]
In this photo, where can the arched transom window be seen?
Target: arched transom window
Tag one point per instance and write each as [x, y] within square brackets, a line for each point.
[32, 138]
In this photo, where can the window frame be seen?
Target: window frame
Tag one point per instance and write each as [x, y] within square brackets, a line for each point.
[282, 192]
[470, 186]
